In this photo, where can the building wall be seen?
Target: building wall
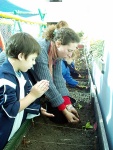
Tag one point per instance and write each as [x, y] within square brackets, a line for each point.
[104, 82]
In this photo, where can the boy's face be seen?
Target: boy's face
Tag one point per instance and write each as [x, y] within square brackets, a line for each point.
[25, 64]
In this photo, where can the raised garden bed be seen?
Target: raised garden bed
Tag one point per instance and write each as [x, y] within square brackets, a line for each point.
[45, 135]
[88, 134]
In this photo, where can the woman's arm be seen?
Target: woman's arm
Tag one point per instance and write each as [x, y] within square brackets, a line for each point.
[42, 71]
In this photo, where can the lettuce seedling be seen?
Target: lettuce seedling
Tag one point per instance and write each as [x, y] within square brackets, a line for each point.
[87, 126]
[79, 106]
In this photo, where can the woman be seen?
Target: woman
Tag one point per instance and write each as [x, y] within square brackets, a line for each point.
[55, 47]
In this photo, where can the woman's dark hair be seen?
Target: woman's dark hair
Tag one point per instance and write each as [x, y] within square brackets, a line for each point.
[22, 43]
[49, 33]
[64, 35]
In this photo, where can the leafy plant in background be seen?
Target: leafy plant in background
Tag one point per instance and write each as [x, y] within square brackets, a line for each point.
[95, 52]
[80, 34]
[96, 49]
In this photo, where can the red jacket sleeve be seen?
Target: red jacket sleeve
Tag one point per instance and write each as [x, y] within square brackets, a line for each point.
[66, 102]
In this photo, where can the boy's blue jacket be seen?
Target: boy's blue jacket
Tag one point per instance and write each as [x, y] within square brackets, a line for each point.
[67, 76]
[9, 101]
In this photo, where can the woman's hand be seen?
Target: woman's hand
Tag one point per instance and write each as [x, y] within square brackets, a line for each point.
[45, 113]
[71, 117]
[71, 109]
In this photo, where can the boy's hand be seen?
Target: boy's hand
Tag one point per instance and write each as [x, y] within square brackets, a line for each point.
[39, 88]
[45, 113]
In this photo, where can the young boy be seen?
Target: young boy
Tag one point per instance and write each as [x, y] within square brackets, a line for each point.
[17, 96]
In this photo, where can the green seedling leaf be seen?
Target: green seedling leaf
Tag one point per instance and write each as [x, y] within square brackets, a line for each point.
[79, 106]
[88, 125]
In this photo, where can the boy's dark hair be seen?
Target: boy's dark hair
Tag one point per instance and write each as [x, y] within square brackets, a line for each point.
[65, 35]
[22, 43]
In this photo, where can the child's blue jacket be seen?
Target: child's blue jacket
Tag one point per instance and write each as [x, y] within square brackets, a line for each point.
[9, 101]
[67, 76]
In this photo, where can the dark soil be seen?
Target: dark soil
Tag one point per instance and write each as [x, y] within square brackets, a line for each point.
[45, 135]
